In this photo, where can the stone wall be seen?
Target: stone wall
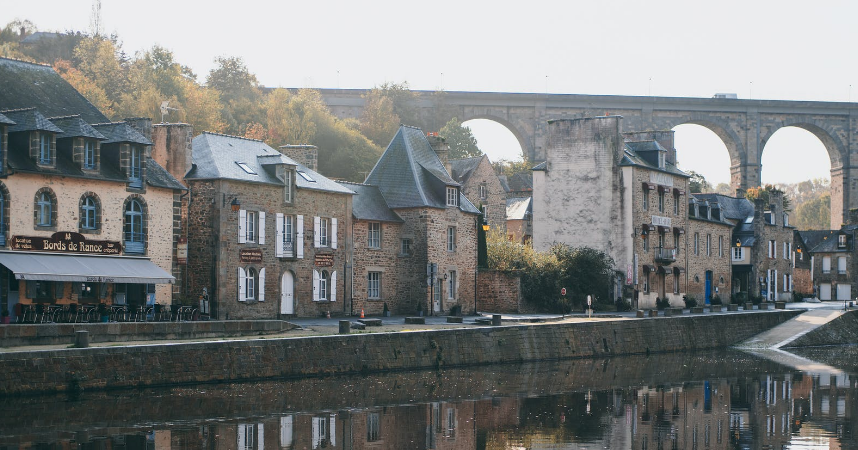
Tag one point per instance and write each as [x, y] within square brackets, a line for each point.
[495, 198]
[129, 367]
[384, 260]
[498, 292]
[306, 155]
[840, 331]
[717, 260]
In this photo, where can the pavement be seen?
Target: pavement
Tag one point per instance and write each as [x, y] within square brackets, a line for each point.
[322, 326]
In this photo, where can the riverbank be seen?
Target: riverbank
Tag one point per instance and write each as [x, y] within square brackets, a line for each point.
[58, 370]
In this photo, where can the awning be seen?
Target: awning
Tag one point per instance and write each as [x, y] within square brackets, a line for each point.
[84, 268]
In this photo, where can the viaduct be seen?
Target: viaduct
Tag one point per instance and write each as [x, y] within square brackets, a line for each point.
[743, 125]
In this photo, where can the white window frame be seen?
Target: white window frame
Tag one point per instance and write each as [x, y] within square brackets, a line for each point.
[708, 245]
[250, 226]
[452, 285]
[45, 156]
[483, 192]
[645, 282]
[451, 239]
[841, 265]
[324, 276]
[720, 246]
[826, 264]
[287, 188]
[645, 242]
[738, 253]
[88, 154]
[373, 238]
[661, 201]
[645, 201]
[841, 241]
[676, 204]
[373, 285]
[452, 196]
[696, 243]
[324, 232]
[405, 246]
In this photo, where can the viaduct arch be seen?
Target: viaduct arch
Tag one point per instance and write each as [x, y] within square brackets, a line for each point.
[744, 126]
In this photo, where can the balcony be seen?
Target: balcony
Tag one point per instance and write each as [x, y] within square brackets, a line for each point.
[665, 255]
[288, 249]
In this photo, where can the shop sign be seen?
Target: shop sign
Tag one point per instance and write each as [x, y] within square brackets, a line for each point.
[182, 251]
[324, 260]
[250, 255]
[660, 221]
[65, 242]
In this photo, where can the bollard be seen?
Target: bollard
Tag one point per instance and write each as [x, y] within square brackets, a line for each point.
[81, 339]
[345, 327]
[640, 313]
[496, 319]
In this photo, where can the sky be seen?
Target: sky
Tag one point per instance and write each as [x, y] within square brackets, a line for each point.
[782, 50]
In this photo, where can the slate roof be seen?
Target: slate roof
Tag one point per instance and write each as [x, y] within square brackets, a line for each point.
[20, 161]
[518, 208]
[540, 167]
[823, 241]
[116, 132]
[463, 168]
[632, 158]
[522, 181]
[733, 208]
[216, 156]
[29, 119]
[28, 85]
[369, 204]
[74, 126]
[410, 174]
[159, 177]
[5, 120]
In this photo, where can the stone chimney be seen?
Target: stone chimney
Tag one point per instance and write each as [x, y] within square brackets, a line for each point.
[740, 193]
[852, 219]
[304, 154]
[172, 148]
[442, 149]
[141, 124]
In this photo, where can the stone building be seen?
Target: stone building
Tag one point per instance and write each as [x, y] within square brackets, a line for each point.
[761, 246]
[482, 187]
[519, 219]
[621, 194]
[828, 257]
[268, 237]
[86, 215]
[708, 252]
[438, 235]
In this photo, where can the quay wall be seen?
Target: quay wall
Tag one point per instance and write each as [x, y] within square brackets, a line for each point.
[259, 359]
[840, 331]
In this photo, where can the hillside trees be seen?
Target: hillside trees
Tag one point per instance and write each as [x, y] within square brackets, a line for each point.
[462, 142]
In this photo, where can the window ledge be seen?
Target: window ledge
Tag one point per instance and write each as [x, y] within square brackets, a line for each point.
[45, 227]
[89, 231]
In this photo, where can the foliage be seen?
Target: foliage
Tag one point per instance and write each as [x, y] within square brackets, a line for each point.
[662, 303]
[698, 184]
[690, 301]
[715, 300]
[378, 122]
[509, 168]
[582, 271]
[724, 189]
[462, 142]
[240, 93]
[814, 214]
[85, 86]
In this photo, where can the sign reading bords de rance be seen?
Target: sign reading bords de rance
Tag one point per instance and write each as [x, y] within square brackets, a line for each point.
[65, 242]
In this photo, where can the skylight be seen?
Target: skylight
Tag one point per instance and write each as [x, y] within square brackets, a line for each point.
[305, 176]
[246, 168]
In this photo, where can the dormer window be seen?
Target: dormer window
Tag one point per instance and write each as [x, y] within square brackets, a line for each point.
[841, 241]
[452, 196]
[786, 220]
[287, 186]
[661, 160]
[44, 148]
[135, 167]
[89, 154]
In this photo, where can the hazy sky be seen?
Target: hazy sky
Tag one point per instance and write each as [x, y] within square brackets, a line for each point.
[789, 50]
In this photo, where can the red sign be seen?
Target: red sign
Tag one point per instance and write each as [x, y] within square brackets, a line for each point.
[324, 260]
[563, 291]
[65, 242]
[250, 255]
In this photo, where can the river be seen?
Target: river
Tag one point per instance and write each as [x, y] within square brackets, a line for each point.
[717, 400]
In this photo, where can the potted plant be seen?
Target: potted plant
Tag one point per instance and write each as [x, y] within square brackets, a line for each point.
[4, 317]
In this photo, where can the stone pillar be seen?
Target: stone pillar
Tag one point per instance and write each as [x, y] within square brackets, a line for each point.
[172, 147]
[305, 154]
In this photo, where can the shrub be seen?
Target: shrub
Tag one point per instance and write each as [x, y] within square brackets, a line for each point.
[690, 301]
[623, 305]
[715, 300]
[661, 304]
[755, 299]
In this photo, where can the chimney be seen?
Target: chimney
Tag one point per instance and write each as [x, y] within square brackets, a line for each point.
[442, 149]
[141, 124]
[305, 154]
[172, 148]
[853, 217]
[740, 192]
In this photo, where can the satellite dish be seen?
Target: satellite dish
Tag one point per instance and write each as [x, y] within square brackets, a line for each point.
[165, 109]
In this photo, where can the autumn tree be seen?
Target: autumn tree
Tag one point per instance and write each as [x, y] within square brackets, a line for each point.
[462, 142]
[378, 122]
[85, 86]
[99, 60]
[814, 214]
[698, 184]
[240, 93]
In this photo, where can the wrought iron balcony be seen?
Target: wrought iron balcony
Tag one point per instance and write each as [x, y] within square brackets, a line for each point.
[288, 249]
[665, 255]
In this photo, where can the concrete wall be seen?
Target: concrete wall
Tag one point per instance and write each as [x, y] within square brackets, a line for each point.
[127, 367]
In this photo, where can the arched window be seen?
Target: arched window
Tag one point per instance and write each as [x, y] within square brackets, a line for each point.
[89, 212]
[134, 227]
[45, 208]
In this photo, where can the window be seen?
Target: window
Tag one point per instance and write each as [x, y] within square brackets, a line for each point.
[87, 291]
[135, 169]
[675, 282]
[720, 246]
[452, 196]
[373, 427]
[661, 160]
[645, 242]
[676, 204]
[696, 243]
[841, 241]
[450, 429]
[324, 232]
[286, 228]
[323, 285]
[246, 168]
[708, 245]
[374, 235]
[89, 213]
[44, 148]
[3, 201]
[646, 282]
[250, 284]
[451, 239]
[287, 186]
[786, 251]
[250, 226]
[483, 194]
[405, 248]
[645, 197]
[44, 290]
[45, 208]
[676, 242]
[661, 201]
[451, 285]
[485, 210]
[306, 176]
[324, 236]
[660, 239]
[826, 264]
[841, 265]
[133, 227]
[250, 436]
[773, 249]
[786, 220]
[89, 154]
[323, 433]
[373, 286]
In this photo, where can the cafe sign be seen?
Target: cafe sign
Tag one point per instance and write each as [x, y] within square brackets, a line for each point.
[250, 255]
[65, 242]
[324, 260]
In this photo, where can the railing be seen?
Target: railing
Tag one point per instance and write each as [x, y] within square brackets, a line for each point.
[663, 254]
[288, 248]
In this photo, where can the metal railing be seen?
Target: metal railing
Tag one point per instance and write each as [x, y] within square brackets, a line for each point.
[663, 254]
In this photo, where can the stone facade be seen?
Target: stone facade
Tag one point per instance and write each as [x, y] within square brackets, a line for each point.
[710, 263]
[384, 260]
[305, 154]
[483, 188]
[772, 254]
[499, 292]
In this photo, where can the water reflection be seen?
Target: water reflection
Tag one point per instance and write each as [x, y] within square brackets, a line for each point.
[701, 401]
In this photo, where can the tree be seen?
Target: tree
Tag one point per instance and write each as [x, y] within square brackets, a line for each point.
[698, 184]
[724, 189]
[239, 92]
[462, 142]
[85, 86]
[378, 122]
[99, 60]
[404, 101]
[814, 214]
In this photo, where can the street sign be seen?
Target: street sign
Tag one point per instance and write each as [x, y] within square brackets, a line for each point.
[563, 291]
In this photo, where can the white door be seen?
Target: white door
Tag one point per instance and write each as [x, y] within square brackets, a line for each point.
[287, 293]
[844, 291]
[436, 302]
[824, 291]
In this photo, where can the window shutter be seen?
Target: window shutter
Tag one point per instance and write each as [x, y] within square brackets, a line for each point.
[333, 286]
[261, 285]
[241, 284]
[278, 237]
[261, 227]
[260, 435]
[316, 225]
[334, 232]
[299, 235]
[241, 436]
[242, 223]
[775, 288]
[332, 430]
[315, 285]
[316, 440]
